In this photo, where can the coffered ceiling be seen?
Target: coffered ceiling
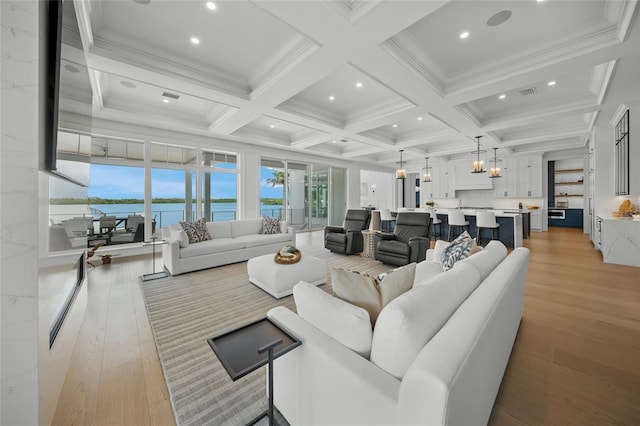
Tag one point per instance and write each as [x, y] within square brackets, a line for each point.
[357, 79]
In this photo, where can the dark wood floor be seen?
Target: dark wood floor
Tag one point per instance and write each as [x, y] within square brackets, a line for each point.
[576, 360]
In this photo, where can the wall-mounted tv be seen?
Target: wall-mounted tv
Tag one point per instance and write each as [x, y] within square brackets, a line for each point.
[59, 19]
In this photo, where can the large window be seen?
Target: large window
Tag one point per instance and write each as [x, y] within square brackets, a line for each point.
[220, 186]
[272, 188]
[307, 196]
[173, 196]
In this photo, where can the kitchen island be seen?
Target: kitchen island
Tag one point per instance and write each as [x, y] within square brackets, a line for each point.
[511, 230]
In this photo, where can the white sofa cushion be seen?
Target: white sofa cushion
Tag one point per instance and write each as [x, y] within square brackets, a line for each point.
[177, 233]
[406, 324]
[219, 229]
[246, 227]
[257, 240]
[217, 245]
[426, 270]
[488, 258]
[344, 322]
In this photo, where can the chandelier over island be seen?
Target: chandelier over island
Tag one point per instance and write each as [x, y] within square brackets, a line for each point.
[426, 177]
[401, 173]
[494, 172]
[478, 163]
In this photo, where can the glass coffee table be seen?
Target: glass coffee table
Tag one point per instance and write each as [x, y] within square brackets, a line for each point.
[248, 348]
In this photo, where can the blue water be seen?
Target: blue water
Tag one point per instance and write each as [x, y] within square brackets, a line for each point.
[168, 214]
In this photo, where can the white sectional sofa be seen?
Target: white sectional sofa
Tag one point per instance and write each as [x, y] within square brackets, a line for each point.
[437, 352]
[232, 241]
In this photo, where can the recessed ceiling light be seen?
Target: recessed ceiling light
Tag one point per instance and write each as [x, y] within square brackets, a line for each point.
[464, 35]
[273, 126]
[539, 1]
[128, 84]
[332, 98]
[551, 83]
[502, 96]
[419, 118]
[359, 84]
[211, 5]
[195, 40]
[333, 141]
[166, 101]
[395, 125]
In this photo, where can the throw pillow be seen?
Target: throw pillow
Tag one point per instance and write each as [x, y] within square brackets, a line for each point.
[393, 283]
[358, 289]
[196, 231]
[180, 236]
[372, 293]
[439, 248]
[271, 225]
[346, 323]
[457, 250]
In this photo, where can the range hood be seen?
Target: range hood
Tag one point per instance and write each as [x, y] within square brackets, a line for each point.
[467, 180]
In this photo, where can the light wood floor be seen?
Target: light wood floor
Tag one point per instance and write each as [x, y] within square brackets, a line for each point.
[576, 360]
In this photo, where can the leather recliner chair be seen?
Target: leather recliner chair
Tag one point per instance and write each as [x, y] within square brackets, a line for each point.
[348, 238]
[408, 242]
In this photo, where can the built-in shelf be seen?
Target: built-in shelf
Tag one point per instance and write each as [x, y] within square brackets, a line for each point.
[569, 183]
[569, 195]
[570, 171]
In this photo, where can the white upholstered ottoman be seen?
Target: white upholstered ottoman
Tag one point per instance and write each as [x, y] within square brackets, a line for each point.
[278, 280]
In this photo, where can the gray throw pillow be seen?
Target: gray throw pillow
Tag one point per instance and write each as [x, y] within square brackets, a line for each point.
[459, 249]
[271, 225]
[196, 231]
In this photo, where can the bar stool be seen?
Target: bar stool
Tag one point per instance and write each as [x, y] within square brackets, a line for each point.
[386, 219]
[437, 232]
[487, 220]
[457, 220]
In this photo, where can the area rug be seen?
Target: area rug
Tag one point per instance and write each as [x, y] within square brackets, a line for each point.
[186, 310]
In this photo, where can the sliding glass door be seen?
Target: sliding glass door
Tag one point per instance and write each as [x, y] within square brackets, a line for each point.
[319, 196]
[298, 196]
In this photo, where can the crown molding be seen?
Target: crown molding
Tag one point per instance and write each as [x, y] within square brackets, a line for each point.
[303, 109]
[219, 80]
[404, 50]
[83, 15]
[219, 114]
[620, 13]
[557, 51]
[351, 11]
[291, 55]
[378, 111]
[308, 137]
[622, 108]
[600, 79]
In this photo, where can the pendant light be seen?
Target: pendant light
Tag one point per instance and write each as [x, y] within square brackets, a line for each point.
[426, 177]
[401, 173]
[494, 172]
[478, 163]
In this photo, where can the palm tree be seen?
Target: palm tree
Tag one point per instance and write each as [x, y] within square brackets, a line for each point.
[277, 179]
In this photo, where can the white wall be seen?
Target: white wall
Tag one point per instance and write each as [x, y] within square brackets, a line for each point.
[19, 213]
[382, 196]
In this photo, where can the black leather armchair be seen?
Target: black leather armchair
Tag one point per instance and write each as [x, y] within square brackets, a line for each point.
[348, 238]
[408, 242]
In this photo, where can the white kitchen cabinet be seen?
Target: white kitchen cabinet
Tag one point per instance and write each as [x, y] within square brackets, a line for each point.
[530, 176]
[507, 185]
[443, 182]
[521, 178]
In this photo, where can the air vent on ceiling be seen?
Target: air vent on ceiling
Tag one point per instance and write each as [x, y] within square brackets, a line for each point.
[171, 95]
[529, 91]
[344, 140]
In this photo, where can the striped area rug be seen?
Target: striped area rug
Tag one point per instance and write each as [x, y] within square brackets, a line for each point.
[186, 310]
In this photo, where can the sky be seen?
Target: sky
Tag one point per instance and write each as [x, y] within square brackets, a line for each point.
[117, 182]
